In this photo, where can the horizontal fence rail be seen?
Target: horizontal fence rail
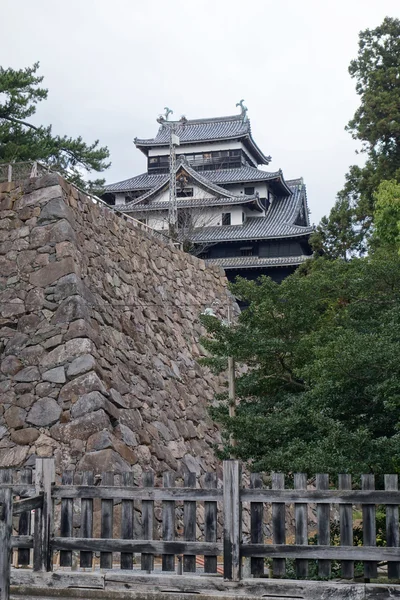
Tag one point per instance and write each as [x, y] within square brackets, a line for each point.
[302, 527]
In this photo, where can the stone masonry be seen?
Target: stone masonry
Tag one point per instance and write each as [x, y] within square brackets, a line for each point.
[99, 338]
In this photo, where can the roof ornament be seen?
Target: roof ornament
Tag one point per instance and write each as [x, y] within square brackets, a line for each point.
[165, 117]
[243, 109]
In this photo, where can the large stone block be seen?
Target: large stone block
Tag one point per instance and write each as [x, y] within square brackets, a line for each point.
[15, 417]
[44, 413]
[53, 271]
[13, 457]
[103, 460]
[66, 352]
[81, 365]
[10, 365]
[25, 437]
[91, 402]
[89, 382]
[55, 209]
[71, 309]
[81, 428]
[39, 196]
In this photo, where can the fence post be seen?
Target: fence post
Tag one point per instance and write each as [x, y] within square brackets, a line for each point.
[5, 545]
[42, 552]
[232, 520]
[9, 173]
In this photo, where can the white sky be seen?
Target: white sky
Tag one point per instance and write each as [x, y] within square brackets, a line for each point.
[112, 65]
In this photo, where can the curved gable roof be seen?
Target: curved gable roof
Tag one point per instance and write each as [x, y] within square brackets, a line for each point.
[207, 130]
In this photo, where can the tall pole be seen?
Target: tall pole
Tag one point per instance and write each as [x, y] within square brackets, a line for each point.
[173, 207]
[231, 387]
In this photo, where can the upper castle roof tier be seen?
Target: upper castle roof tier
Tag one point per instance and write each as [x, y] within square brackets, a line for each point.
[147, 181]
[217, 129]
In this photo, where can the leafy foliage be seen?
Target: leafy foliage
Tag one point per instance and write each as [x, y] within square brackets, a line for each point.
[20, 140]
[376, 123]
[321, 388]
[387, 216]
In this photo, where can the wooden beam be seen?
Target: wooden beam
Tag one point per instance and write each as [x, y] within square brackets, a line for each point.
[135, 493]
[147, 546]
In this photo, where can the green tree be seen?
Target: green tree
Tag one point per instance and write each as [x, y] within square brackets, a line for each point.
[387, 216]
[21, 140]
[376, 124]
[321, 388]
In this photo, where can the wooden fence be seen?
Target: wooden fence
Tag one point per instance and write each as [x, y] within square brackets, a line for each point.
[66, 515]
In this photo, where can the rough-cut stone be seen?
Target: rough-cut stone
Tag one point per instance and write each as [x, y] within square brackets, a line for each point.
[13, 457]
[70, 309]
[93, 401]
[82, 427]
[66, 352]
[53, 271]
[81, 364]
[54, 210]
[103, 460]
[89, 382]
[56, 375]
[44, 412]
[15, 417]
[28, 374]
[10, 365]
[24, 400]
[26, 436]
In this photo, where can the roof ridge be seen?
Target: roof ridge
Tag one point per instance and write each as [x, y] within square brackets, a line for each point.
[216, 119]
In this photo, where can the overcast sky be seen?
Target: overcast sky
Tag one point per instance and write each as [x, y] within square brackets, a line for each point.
[112, 65]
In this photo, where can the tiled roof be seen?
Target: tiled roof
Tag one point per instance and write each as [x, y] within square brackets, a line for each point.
[203, 182]
[189, 203]
[146, 181]
[252, 262]
[196, 130]
[207, 130]
[279, 222]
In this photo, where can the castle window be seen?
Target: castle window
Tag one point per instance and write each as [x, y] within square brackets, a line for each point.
[246, 251]
[185, 193]
[226, 218]
[249, 191]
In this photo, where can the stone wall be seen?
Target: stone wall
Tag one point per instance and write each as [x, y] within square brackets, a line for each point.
[99, 337]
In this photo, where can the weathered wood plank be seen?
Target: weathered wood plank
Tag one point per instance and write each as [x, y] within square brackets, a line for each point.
[136, 493]
[357, 553]
[189, 524]
[147, 560]
[22, 541]
[63, 581]
[21, 507]
[86, 558]
[321, 496]
[346, 526]
[323, 525]
[168, 523]
[369, 526]
[19, 489]
[300, 516]
[232, 520]
[5, 535]
[127, 523]
[392, 526]
[256, 526]
[278, 525]
[147, 546]
[210, 523]
[24, 525]
[66, 519]
[44, 479]
[107, 514]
